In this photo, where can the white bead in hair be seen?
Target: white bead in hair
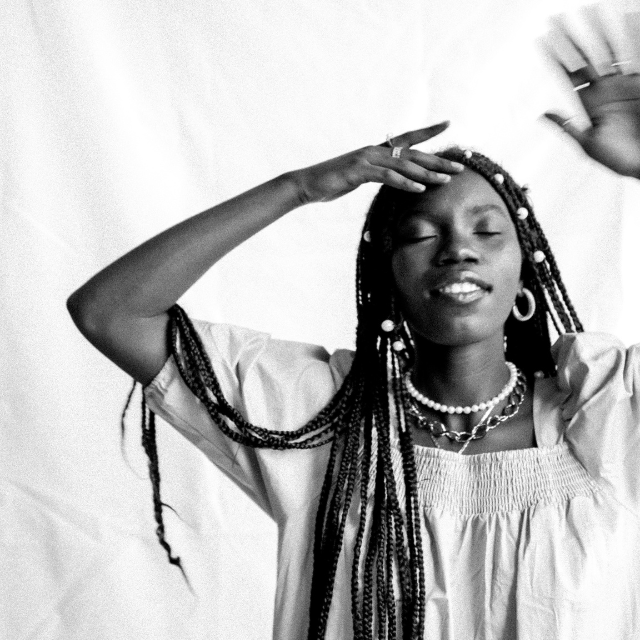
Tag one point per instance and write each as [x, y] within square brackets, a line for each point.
[398, 345]
[467, 154]
[498, 178]
[388, 326]
[366, 236]
[538, 374]
[538, 256]
[522, 213]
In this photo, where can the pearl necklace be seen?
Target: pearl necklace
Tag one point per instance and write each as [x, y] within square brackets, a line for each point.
[482, 406]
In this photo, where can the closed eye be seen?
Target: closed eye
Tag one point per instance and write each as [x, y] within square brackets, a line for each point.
[416, 240]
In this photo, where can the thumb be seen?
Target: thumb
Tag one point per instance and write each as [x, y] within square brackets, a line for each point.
[566, 123]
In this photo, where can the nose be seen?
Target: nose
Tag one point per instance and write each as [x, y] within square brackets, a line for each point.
[457, 248]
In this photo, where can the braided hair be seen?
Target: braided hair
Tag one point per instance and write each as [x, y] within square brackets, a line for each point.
[364, 422]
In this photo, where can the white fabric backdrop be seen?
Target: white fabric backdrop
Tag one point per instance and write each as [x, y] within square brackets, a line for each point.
[120, 118]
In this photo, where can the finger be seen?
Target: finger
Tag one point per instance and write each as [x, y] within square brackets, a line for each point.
[589, 70]
[567, 125]
[594, 18]
[578, 78]
[413, 171]
[410, 138]
[393, 179]
[434, 163]
[631, 32]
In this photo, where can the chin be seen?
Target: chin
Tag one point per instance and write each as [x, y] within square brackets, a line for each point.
[458, 333]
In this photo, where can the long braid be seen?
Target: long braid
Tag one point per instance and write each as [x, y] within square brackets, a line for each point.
[320, 528]
[380, 222]
[337, 524]
[391, 597]
[361, 419]
[150, 448]
[374, 542]
[362, 526]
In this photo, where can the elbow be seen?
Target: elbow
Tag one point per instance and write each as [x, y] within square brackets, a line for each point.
[74, 306]
[86, 314]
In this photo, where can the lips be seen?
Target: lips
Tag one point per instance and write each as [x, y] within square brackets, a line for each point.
[461, 287]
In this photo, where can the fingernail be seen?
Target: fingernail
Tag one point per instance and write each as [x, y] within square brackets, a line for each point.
[457, 166]
[443, 177]
[418, 187]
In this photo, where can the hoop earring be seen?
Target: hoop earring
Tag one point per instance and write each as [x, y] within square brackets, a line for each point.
[531, 303]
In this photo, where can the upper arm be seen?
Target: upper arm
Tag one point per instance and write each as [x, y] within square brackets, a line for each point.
[139, 346]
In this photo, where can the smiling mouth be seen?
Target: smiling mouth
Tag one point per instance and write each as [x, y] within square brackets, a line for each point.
[460, 292]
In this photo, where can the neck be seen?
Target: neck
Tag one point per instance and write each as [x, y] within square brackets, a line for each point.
[460, 375]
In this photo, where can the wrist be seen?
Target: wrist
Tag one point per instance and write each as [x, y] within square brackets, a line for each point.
[297, 183]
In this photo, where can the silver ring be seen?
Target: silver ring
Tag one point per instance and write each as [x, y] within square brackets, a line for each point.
[396, 151]
[567, 121]
[619, 63]
[584, 85]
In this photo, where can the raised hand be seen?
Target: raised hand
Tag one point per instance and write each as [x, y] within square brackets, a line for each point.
[611, 100]
[393, 163]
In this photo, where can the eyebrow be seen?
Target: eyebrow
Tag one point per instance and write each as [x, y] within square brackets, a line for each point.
[477, 209]
[483, 208]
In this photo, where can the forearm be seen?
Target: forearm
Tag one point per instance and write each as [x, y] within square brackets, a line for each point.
[148, 280]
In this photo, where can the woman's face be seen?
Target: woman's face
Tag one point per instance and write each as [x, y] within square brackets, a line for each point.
[457, 262]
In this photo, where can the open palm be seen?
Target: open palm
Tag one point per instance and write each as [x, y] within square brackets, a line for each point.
[612, 103]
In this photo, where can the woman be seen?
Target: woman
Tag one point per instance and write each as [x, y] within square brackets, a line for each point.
[385, 530]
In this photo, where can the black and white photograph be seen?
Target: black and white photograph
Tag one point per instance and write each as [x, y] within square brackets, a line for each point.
[320, 320]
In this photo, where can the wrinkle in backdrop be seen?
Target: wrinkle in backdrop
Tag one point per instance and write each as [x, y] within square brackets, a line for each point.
[120, 119]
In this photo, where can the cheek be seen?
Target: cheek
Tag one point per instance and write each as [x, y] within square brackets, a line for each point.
[406, 270]
[511, 273]
[410, 263]
[515, 263]
[399, 267]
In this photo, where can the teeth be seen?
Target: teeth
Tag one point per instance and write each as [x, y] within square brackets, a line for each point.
[460, 287]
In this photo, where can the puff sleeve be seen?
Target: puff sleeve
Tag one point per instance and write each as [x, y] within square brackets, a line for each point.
[600, 378]
[275, 384]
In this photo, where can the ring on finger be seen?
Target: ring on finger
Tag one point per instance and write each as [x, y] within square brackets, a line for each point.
[567, 121]
[619, 63]
[584, 85]
[396, 151]
[390, 140]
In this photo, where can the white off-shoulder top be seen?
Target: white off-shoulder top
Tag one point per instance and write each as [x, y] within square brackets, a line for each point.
[530, 544]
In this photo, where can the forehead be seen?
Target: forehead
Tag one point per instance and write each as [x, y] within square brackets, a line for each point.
[466, 191]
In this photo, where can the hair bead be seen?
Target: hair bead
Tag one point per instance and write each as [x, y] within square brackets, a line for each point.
[522, 213]
[467, 154]
[366, 236]
[498, 178]
[538, 256]
[398, 345]
[388, 326]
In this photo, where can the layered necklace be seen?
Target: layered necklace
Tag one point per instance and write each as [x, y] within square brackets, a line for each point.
[515, 390]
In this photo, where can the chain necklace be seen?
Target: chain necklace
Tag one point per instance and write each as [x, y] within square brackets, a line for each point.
[437, 429]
